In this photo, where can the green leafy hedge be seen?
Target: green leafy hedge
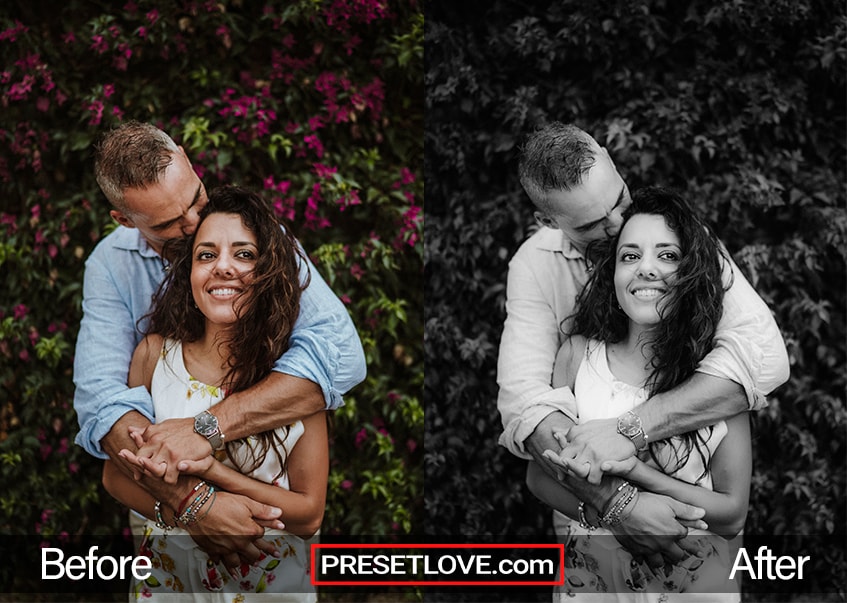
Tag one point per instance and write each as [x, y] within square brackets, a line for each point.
[740, 104]
[316, 104]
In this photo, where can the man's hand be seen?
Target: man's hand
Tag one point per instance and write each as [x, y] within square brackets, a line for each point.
[593, 442]
[233, 529]
[544, 438]
[163, 445]
[656, 527]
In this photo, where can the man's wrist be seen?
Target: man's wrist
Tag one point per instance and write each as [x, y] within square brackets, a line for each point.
[629, 425]
[170, 495]
[598, 496]
[206, 424]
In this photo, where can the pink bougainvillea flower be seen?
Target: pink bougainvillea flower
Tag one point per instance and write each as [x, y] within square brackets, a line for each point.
[98, 43]
[20, 311]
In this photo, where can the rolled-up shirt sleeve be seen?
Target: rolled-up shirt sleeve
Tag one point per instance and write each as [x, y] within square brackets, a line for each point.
[324, 346]
[106, 340]
[531, 338]
[749, 348]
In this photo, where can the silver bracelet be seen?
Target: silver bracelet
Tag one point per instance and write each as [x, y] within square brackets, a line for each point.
[583, 521]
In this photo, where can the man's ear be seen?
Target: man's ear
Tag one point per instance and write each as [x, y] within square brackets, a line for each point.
[609, 157]
[184, 154]
[544, 220]
[121, 218]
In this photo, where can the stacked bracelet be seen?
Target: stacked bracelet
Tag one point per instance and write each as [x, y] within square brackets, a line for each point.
[191, 515]
[625, 494]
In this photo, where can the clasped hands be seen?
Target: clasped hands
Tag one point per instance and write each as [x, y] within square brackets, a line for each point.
[232, 532]
[656, 526]
[165, 449]
[590, 449]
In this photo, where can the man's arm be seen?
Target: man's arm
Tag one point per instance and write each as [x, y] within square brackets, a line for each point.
[106, 340]
[324, 347]
[528, 346]
[749, 348]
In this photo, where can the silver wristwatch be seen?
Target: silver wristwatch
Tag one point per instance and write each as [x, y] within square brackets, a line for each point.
[629, 425]
[206, 424]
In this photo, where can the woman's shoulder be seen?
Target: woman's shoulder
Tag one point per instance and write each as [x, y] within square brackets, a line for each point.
[151, 345]
[144, 360]
[568, 360]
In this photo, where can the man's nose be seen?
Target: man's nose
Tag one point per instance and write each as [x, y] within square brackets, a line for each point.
[614, 222]
[190, 222]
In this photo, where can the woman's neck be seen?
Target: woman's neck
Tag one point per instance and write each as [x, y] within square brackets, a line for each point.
[630, 359]
[207, 359]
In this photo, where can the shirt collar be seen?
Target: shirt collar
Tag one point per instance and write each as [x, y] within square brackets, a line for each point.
[553, 239]
[132, 240]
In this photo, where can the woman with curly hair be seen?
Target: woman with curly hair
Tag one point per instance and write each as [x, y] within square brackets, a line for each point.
[219, 321]
[643, 323]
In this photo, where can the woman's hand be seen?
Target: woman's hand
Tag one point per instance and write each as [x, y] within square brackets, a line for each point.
[202, 468]
[625, 468]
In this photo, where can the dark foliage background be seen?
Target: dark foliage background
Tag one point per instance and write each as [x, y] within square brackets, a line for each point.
[741, 105]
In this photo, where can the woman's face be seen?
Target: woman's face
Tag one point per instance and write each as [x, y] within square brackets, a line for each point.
[223, 259]
[646, 260]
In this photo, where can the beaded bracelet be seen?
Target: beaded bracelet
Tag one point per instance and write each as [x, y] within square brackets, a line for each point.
[209, 508]
[181, 506]
[613, 515]
[189, 516]
[614, 498]
[583, 520]
[160, 520]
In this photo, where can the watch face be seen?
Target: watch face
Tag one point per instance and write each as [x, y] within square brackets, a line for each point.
[629, 425]
[629, 429]
[206, 424]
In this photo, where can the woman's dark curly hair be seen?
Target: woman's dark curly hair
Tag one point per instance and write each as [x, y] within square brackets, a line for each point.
[260, 334]
[689, 313]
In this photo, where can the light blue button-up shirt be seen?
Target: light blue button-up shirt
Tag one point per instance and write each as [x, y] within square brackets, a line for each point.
[121, 275]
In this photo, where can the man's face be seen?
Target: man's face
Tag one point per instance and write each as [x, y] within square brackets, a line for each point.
[593, 210]
[168, 209]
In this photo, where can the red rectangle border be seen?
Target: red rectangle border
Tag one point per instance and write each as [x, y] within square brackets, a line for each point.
[559, 582]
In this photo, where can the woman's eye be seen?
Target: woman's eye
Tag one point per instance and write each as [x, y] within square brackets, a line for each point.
[628, 257]
[670, 256]
[205, 255]
[246, 255]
